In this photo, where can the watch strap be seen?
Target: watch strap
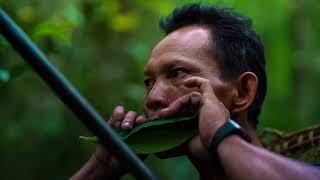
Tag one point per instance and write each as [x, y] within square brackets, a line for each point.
[229, 128]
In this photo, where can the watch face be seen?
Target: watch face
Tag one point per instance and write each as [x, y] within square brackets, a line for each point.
[235, 124]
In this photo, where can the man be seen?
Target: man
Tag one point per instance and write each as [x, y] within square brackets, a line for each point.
[210, 61]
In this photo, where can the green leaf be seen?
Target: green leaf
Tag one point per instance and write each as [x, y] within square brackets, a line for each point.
[4, 75]
[57, 29]
[156, 136]
[125, 22]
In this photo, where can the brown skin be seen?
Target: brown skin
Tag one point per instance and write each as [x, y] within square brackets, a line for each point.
[182, 75]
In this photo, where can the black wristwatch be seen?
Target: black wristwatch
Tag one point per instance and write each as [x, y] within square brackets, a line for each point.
[229, 128]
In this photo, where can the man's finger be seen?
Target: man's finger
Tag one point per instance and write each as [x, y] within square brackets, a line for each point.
[201, 83]
[181, 104]
[204, 86]
[129, 120]
[141, 119]
[117, 116]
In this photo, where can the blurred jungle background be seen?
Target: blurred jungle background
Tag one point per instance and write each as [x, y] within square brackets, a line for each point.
[102, 45]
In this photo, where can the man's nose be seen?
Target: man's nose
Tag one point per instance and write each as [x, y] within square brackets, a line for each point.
[157, 98]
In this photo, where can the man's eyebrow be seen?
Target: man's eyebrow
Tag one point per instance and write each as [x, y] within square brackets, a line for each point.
[146, 72]
[168, 65]
[175, 63]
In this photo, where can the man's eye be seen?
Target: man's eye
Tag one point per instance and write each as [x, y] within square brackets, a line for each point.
[149, 83]
[178, 72]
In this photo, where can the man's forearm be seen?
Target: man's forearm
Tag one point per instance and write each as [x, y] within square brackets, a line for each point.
[94, 169]
[242, 160]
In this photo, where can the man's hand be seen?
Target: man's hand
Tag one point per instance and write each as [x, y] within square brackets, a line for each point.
[212, 115]
[120, 118]
[103, 164]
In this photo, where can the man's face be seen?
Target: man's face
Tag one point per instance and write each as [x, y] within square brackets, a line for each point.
[181, 54]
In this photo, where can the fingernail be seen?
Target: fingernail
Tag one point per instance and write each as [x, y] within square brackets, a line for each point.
[119, 109]
[126, 125]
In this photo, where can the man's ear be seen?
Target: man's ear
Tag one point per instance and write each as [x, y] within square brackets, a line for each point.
[245, 91]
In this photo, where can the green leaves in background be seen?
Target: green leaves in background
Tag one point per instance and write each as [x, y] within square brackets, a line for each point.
[156, 136]
[13, 72]
[4, 75]
[125, 22]
[19, 69]
[57, 29]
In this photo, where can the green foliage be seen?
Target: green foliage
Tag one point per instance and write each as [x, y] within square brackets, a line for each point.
[60, 31]
[156, 136]
[18, 70]
[4, 75]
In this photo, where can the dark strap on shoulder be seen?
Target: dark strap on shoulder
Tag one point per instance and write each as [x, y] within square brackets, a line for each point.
[317, 165]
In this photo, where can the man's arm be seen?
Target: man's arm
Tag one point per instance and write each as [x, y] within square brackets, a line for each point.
[242, 160]
[239, 159]
[101, 165]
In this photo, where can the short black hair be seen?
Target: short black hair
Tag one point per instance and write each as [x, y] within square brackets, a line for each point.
[235, 44]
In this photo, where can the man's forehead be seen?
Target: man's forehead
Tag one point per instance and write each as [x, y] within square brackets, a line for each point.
[187, 46]
[189, 39]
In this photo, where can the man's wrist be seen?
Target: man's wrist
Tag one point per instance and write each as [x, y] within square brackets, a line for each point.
[230, 128]
[107, 165]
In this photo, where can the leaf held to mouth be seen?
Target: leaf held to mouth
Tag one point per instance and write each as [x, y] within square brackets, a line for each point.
[156, 136]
